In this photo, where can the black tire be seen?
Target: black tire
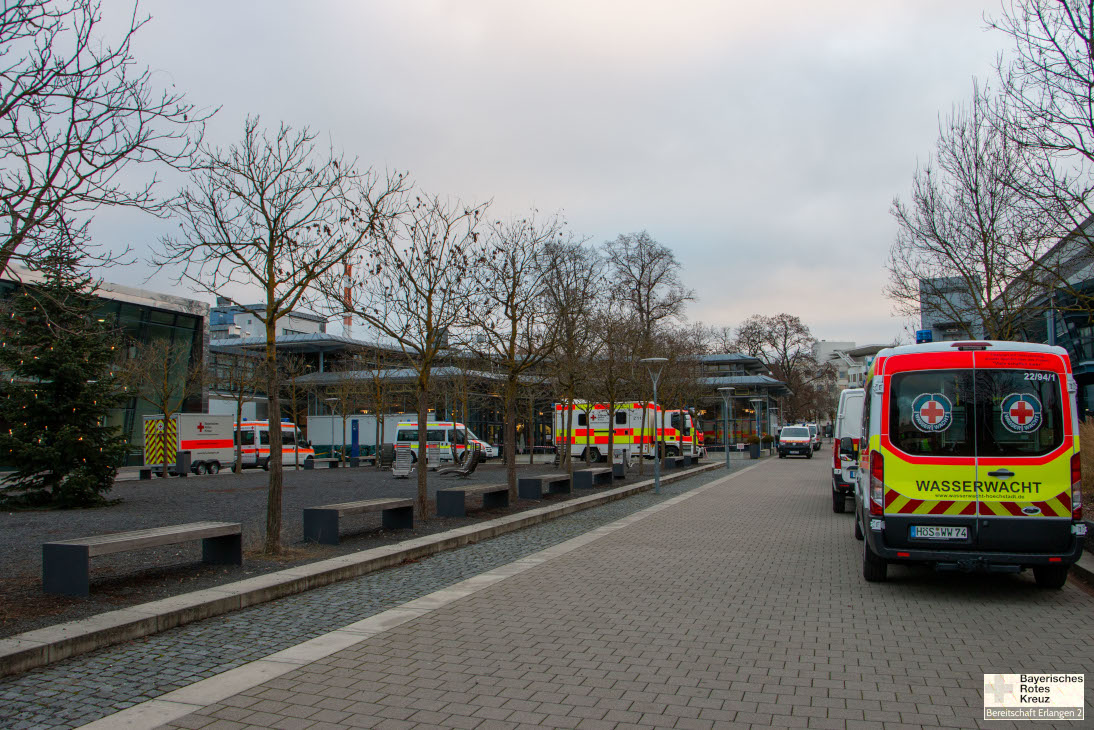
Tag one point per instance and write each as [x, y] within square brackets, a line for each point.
[199, 468]
[839, 502]
[874, 568]
[1050, 576]
[305, 464]
[594, 455]
[214, 467]
[809, 455]
[266, 465]
[671, 451]
[858, 529]
[782, 455]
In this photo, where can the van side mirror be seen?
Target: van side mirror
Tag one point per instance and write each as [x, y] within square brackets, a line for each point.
[847, 447]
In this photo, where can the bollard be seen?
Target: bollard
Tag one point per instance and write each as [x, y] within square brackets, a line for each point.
[182, 463]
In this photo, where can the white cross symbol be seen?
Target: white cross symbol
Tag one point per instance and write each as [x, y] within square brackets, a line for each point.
[999, 688]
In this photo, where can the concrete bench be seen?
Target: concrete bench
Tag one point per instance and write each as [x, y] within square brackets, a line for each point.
[331, 462]
[452, 501]
[66, 563]
[535, 487]
[321, 523]
[588, 478]
[672, 462]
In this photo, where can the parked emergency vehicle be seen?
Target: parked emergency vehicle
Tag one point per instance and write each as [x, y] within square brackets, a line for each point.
[207, 438]
[443, 435]
[970, 460]
[634, 428]
[683, 434]
[845, 452]
[255, 444]
[210, 441]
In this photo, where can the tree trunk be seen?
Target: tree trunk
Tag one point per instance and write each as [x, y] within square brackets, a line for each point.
[642, 439]
[423, 486]
[510, 438]
[273, 497]
[611, 431]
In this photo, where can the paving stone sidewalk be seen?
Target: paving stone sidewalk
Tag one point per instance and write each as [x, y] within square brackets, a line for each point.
[79, 690]
[742, 606]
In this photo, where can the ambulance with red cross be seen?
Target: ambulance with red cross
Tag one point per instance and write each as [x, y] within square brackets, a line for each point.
[969, 460]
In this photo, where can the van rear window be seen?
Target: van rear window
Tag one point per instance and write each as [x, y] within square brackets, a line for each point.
[996, 413]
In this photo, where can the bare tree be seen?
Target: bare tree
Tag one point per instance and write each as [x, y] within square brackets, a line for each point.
[275, 212]
[646, 275]
[613, 371]
[574, 286]
[295, 394]
[77, 114]
[160, 373]
[509, 317]
[240, 375]
[347, 392]
[966, 240]
[414, 289]
[785, 344]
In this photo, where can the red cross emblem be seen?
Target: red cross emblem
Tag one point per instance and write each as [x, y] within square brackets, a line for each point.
[1021, 412]
[932, 412]
[201, 427]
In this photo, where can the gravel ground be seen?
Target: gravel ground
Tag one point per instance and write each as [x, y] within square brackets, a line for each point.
[128, 578]
[82, 689]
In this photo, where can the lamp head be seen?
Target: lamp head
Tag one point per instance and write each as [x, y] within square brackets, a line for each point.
[654, 365]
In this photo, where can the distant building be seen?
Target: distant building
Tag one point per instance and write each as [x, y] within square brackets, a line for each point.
[240, 321]
[144, 316]
[946, 308]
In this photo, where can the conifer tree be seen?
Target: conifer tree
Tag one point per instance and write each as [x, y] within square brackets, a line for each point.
[57, 357]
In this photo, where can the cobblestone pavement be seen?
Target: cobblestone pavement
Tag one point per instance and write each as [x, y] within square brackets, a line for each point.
[742, 606]
[84, 688]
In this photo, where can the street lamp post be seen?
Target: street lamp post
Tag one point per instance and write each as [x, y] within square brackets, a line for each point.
[654, 365]
[756, 403]
[727, 399]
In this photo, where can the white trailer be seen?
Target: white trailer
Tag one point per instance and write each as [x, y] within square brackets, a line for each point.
[210, 440]
[327, 433]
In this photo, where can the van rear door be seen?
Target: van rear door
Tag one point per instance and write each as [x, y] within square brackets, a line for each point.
[1024, 448]
[929, 451]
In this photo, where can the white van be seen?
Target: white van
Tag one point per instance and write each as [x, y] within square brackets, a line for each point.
[450, 436]
[846, 432]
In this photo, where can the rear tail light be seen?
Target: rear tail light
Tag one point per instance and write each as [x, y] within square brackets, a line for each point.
[877, 483]
[1076, 487]
[835, 454]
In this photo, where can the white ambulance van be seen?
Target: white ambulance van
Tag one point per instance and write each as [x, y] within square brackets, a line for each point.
[846, 432]
[970, 460]
[450, 436]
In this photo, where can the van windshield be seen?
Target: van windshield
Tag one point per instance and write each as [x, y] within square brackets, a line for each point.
[795, 432]
[997, 413]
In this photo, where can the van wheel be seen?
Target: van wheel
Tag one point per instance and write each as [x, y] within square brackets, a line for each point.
[213, 467]
[858, 530]
[839, 502]
[672, 451]
[266, 465]
[594, 455]
[1050, 576]
[809, 455]
[199, 468]
[874, 568]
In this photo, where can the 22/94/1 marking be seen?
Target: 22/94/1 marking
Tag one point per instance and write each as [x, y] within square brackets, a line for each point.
[938, 532]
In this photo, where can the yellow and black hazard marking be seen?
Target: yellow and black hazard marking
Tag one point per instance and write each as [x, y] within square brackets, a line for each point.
[153, 439]
[1058, 506]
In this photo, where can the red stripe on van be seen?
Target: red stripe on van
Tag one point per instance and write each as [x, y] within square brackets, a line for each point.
[912, 505]
[890, 495]
[970, 509]
[194, 444]
[1011, 507]
[940, 508]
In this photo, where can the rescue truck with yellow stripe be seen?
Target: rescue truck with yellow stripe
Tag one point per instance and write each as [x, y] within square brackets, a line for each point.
[969, 460]
[585, 428]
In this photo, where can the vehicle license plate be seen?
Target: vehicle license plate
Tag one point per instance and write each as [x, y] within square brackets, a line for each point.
[939, 532]
[852, 473]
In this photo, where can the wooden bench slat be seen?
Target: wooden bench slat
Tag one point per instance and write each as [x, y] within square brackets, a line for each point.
[152, 537]
[366, 505]
[476, 488]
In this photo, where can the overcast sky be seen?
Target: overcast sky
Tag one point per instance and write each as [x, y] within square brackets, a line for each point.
[762, 142]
